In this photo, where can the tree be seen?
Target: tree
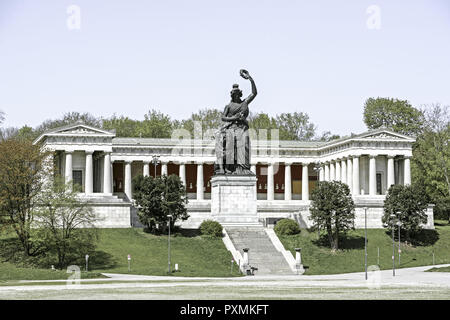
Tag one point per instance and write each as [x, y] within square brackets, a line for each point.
[155, 125]
[158, 197]
[295, 126]
[65, 224]
[23, 168]
[408, 204]
[68, 119]
[397, 115]
[124, 126]
[2, 116]
[327, 136]
[210, 120]
[431, 158]
[332, 209]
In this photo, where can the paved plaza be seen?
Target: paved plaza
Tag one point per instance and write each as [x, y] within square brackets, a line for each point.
[409, 283]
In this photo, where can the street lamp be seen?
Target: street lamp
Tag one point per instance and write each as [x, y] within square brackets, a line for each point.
[399, 224]
[393, 245]
[155, 160]
[365, 241]
[168, 261]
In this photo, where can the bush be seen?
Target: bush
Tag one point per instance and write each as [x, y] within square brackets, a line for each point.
[286, 227]
[211, 228]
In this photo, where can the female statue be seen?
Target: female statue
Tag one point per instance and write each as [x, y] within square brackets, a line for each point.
[232, 140]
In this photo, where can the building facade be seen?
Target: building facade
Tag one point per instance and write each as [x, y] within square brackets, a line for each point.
[287, 171]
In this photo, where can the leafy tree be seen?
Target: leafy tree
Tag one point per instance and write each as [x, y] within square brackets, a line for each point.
[408, 204]
[332, 210]
[2, 116]
[8, 133]
[23, 167]
[328, 136]
[159, 197]
[65, 224]
[68, 119]
[124, 126]
[210, 119]
[295, 126]
[155, 125]
[431, 158]
[398, 115]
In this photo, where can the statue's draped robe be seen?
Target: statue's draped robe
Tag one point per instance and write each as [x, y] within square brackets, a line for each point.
[233, 141]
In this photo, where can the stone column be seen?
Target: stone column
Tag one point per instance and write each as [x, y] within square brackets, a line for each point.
[356, 190]
[182, 173]
[270, 188]
[390, 171]
[163, 168]
[344, 170]
[327, 172]
[305, 182]
[350, 174]
[372, 175]
[200, 194]
[338, 170]
[321, 173]
[107, 173]
[287, 182]
[146, 169]
[68, 171]
[128, 190]
[407, 171]
[88, 174]
[332, 171]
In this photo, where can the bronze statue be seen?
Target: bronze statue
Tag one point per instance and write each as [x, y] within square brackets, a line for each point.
[233, 140]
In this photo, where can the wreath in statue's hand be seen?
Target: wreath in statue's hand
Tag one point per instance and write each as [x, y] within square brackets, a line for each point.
[244, 74]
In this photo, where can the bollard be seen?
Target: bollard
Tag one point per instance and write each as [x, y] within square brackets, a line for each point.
[298, 261]
[176, 266]
[129, 263]
[245, 265]
[87, 258]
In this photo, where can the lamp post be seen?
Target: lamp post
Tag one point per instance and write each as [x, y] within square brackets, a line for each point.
[155, 160]
[399, 224]
[168, 261]
[393, 245]
[365, 241]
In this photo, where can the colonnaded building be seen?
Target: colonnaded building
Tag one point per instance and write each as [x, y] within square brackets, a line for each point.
[287, 171]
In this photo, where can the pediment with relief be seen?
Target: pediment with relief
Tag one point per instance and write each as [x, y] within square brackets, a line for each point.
[383, 135]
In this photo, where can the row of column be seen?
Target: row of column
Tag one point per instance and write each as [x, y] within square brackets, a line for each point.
[346, 170]
[89, 172]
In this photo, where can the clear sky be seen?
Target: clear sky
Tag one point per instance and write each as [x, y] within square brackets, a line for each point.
[324, 58]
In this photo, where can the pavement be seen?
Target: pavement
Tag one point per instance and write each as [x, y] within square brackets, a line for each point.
[407, 283]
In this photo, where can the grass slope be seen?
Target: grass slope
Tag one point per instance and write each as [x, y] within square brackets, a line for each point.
[195, 255]
[320, 259]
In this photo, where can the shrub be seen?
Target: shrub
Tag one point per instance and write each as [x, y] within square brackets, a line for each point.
[211, 228]
[286, 227]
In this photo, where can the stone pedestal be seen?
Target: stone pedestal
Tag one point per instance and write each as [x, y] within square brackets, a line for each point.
[233, 200]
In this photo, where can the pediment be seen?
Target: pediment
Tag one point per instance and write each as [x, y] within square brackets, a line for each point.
[77, 130]
[384, 135]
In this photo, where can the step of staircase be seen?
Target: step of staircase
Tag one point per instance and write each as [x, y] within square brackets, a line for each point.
[262, 253]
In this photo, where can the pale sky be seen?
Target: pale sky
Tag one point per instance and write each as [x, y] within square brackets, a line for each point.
[320, 57]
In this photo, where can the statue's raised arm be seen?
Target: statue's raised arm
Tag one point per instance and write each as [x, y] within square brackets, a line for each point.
[244, 74]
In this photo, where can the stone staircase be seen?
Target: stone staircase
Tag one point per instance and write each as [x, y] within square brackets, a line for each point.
[262, 253]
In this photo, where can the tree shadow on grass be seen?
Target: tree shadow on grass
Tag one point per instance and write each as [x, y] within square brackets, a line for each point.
[189, 233]
[346, 242]
[424, 237]
[101, 260]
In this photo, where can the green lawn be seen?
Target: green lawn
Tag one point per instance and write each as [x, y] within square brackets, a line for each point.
[195, 256]
[320, 259]
[445, 269]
